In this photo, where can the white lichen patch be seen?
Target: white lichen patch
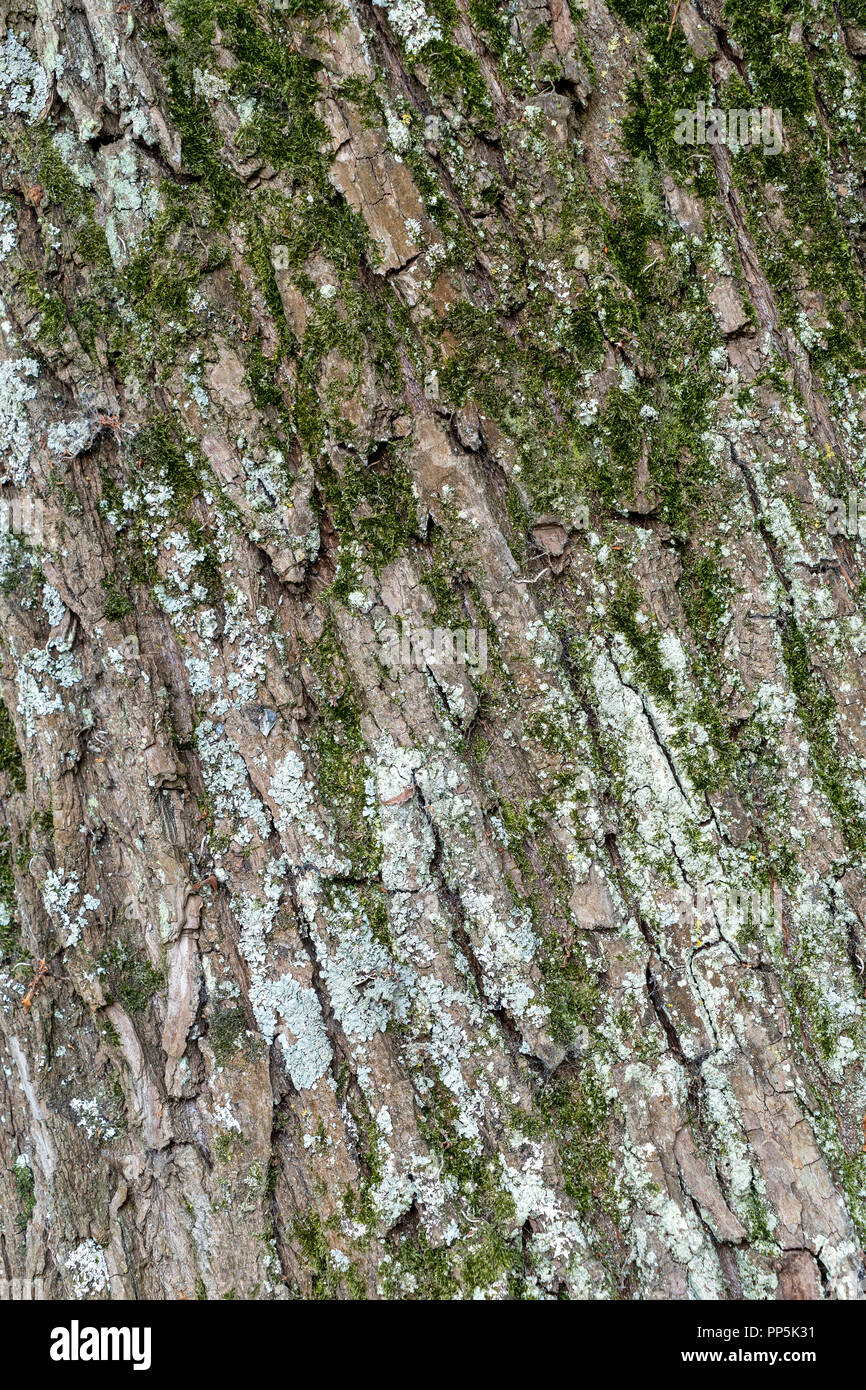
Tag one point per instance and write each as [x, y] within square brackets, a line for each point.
[8, 230]
[558, 1242]
[91, 1119]
[88, 1268]
[69, 438]
[58, 894]
[415, 26]
[362, 980]
[16, 389]
[55, 608]
[42, 677]
[293, 794]
[23, 82]
[227, 783]
[284, 1007]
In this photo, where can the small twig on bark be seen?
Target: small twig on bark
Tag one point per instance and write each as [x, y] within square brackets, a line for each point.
[41, 970]
[210, 882]
[536, 579]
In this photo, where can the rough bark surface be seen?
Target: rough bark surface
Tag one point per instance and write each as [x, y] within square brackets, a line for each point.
[326, 976]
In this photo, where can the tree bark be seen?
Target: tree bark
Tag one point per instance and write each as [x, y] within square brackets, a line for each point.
[432, 746]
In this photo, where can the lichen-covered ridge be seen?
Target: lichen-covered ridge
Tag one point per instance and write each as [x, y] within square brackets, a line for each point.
[325, 977]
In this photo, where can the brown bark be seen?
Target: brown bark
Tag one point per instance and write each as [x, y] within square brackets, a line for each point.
[521, 957]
